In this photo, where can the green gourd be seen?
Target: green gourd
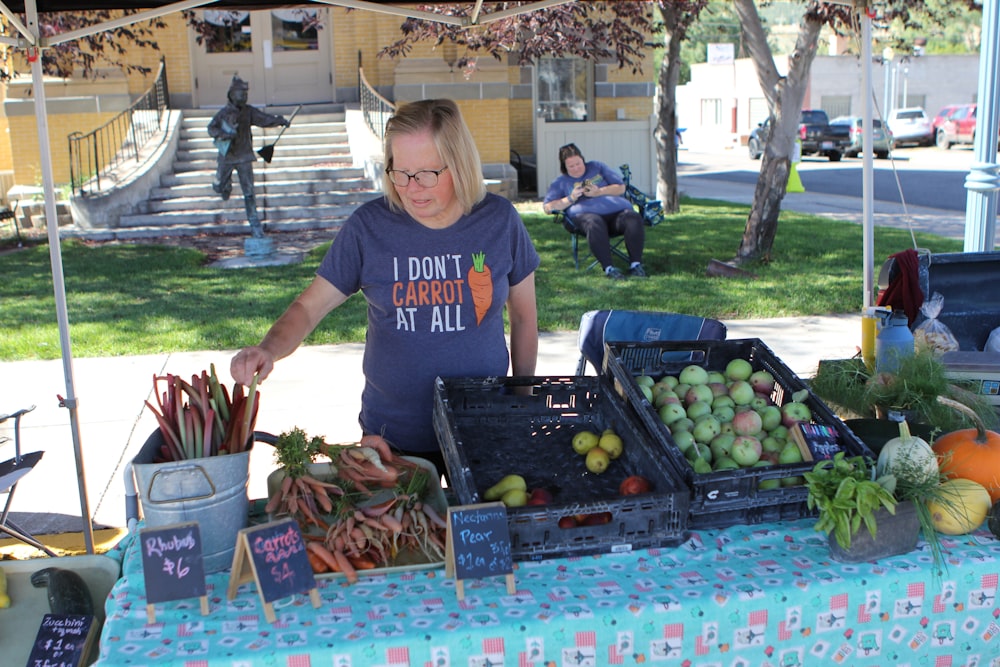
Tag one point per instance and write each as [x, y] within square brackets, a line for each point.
[908, 457]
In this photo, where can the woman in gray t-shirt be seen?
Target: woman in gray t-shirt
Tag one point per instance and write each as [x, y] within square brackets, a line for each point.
[437, 259]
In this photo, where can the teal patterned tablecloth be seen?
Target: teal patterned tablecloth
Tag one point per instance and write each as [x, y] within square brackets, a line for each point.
[748, 595]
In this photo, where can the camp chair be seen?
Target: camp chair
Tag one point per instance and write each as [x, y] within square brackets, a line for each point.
[651, 211]
[11, 472]
[636, 326]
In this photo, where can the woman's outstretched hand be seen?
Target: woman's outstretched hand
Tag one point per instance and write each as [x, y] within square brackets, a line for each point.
[251, 361]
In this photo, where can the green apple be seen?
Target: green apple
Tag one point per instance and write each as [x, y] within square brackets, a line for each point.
[702, 467]
[682, 424]
[722, 444]
[741, 392]
[725, 463]
[698, 409]
[693, 374]
[716, 376]
[706, 429]
[770, 417]
[724, 413]
[698, 451]
[739, 369]
[671, 412]
[683, 440]
[746, 450]
[790, 453]
[699, 392]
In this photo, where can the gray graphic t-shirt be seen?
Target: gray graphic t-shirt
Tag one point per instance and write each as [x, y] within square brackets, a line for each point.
[435, 305]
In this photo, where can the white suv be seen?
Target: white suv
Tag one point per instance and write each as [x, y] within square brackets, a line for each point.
[911, 125]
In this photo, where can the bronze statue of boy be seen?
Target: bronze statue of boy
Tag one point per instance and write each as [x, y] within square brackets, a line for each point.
[230, 128]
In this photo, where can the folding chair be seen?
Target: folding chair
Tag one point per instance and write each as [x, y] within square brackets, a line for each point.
[651, 211]
[637, 326]
[11, 472]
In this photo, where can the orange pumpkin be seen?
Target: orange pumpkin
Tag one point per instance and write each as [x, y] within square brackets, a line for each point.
[971, 453]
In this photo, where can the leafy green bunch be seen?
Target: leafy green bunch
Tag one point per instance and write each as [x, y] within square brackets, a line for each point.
[295, 451]
[843, 491]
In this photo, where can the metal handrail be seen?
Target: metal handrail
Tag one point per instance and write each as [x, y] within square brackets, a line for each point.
[120, 139]
[375, 109]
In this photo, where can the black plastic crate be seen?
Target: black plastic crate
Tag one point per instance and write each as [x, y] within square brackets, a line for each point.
[726, 497]
[492, 427]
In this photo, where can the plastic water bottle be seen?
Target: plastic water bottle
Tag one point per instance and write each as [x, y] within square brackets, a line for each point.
[893, 343]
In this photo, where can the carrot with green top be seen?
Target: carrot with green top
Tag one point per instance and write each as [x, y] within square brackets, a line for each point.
[480, 280]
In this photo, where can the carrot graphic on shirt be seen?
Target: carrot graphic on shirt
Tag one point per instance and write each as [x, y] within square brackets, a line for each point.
[480, 280]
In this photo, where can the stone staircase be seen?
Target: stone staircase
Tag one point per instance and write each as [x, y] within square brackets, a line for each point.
[309, 184]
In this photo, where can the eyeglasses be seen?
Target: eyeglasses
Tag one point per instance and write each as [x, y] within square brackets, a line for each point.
[425, 178]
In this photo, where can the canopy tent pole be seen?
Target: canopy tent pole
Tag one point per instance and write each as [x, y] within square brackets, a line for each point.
[983, 181]
[867, 173]
[55, 258]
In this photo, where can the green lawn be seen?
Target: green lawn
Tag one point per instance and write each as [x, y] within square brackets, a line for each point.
[143, 299]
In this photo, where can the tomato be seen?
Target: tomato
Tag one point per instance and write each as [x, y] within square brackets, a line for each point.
[633, 485]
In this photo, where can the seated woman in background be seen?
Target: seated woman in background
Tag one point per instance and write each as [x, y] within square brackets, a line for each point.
[591, 194]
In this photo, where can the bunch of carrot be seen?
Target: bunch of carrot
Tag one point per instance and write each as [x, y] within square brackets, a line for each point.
[201, 418]
[360, 530]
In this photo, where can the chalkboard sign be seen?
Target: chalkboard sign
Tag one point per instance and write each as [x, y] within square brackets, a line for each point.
[63, 640]
[478, 544]
[172, 562]
[274, 556]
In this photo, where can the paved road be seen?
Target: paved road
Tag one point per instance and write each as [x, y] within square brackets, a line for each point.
[928, 177]
[930, 198]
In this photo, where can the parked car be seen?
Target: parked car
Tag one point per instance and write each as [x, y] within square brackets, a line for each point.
[910, 125]
[958, 128]
[758, 138]
[942, 116]
[817, 136]
[882, 141]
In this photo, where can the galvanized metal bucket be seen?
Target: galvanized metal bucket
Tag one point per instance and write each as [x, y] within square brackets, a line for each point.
[210, 490]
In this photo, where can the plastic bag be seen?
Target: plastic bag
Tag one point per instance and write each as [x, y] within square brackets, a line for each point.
[933, 334]
[993, 342]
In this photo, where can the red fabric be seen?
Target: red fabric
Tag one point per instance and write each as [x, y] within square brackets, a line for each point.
[904, 292]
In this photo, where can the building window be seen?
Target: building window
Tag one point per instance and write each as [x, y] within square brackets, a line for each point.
[227, 31]
[294, 29]
[564, 86]
[836, 105]
[711, 112]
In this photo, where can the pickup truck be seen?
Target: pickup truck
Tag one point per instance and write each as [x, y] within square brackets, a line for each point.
[818, 137]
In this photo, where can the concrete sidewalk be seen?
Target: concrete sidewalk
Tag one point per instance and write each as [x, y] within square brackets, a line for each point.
[318, 389]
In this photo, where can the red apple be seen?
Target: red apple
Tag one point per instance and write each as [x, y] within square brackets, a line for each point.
[747, 423]
[795, 412]
[633, 485]
[762, 382]
[539, 496]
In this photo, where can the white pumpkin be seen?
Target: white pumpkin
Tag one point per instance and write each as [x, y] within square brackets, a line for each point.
[907, 457]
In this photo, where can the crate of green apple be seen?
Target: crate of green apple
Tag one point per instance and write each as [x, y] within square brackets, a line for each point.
[724, 413]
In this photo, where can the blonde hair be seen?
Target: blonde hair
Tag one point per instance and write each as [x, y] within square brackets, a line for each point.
[454, 144]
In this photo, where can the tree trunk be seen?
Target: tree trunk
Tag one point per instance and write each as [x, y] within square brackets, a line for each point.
[666, 102]
[677, 17]
[784, 95]
[762, 223]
